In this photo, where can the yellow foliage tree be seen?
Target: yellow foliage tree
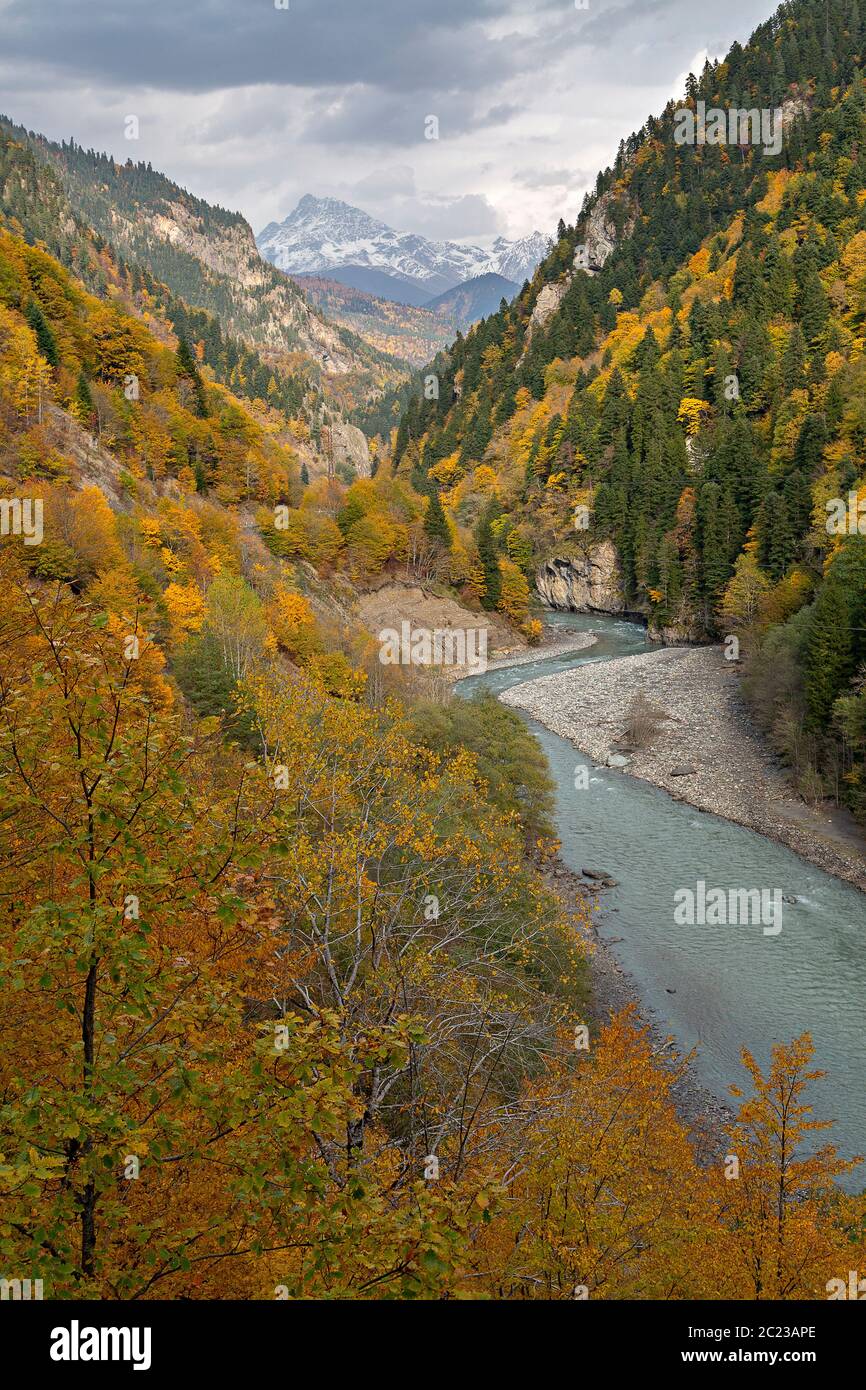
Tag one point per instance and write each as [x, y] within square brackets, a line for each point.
[694, 413]
[186, 608]
[515, 596]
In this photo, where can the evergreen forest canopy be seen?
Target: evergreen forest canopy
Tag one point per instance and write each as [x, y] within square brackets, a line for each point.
[701, 395]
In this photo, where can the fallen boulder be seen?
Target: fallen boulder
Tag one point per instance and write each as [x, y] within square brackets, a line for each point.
[600, 874]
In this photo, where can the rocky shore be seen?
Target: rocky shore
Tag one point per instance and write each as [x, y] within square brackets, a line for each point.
[704, 750]
[554, 643]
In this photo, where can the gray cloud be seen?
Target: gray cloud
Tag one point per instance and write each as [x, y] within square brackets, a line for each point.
[464, 218]
[209, 45]
[608, 22]
[395, 181]
[546, 178]
[395, 195]
[368, 115]
[252, 107]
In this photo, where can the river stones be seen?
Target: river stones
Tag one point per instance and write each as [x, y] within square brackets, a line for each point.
[600, 876]
[685, 771]
[617, 760]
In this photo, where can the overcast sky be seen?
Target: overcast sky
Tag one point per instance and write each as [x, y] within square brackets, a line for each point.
[251, 105]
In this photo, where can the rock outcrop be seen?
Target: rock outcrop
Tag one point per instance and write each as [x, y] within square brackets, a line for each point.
[263, 306]
[587, 583]
[350, 446]
[95, 466]
[601, 234]
[549, 299]
[799, 104]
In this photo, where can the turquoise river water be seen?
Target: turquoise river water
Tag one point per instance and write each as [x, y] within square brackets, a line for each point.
[733, 985]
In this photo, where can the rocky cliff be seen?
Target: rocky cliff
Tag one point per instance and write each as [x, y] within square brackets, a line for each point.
[350, 447]
[590, 582]
[259, 304]
[601, 234]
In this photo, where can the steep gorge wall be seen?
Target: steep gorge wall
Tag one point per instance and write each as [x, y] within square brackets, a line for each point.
[591, 582]
[586, 583]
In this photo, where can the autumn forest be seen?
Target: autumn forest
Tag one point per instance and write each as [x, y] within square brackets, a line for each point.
[298, 1001]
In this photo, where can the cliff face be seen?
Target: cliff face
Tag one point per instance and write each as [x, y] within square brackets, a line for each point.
[592, 583]
[589, 583]
[350, 446]
[546, 305]
[602, 235]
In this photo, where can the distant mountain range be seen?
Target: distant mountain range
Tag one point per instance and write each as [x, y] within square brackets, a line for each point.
[473, 300]
[408, 332]
[327, 237]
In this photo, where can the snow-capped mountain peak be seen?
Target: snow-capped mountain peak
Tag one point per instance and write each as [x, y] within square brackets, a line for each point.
[325, 234]
[516, 260]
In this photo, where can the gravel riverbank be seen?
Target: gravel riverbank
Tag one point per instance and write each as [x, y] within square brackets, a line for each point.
[705, 751]
[554, 643]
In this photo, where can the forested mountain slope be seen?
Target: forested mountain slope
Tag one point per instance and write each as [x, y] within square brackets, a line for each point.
[207, 257]
[34, 204]
[684, 378]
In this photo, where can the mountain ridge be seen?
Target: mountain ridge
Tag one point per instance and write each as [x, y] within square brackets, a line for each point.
[474, 299]
[321, 235]
[207, 256]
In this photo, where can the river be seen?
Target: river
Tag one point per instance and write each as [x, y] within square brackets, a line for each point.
[732, 985]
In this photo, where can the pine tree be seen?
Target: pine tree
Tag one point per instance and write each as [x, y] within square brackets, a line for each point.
[836, 644]
[436, 522]
[794, 360]
[489, 562]
[814, 309]
[83, 400]
[187, 367]
[45, 340]
[777, 541]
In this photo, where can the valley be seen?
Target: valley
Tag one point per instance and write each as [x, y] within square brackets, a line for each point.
[433, 666]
